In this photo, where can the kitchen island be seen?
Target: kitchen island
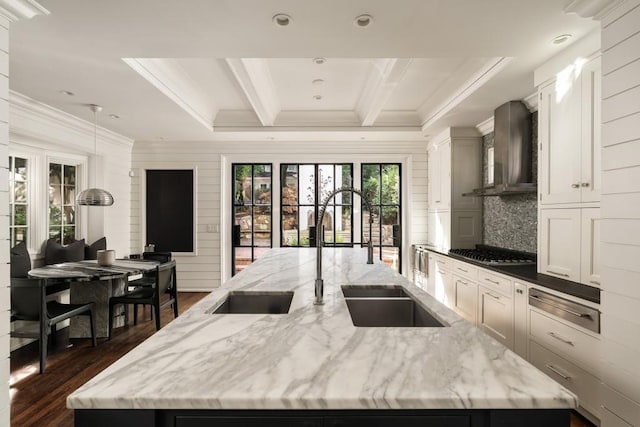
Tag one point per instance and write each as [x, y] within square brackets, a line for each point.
[312, 366]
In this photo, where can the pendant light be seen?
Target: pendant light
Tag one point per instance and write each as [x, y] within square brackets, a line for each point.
[95, 196]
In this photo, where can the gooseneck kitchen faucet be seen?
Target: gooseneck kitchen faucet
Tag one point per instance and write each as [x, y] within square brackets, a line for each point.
[319, 282]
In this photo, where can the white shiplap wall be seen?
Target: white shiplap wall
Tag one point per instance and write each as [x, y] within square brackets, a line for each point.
[205, 271]
[621, 215]
[4, 230]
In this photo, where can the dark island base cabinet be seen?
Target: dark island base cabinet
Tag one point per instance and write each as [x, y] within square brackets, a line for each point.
[328, 418]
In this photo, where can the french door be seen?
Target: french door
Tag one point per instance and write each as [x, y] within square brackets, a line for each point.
[252, 219]
[381, 185]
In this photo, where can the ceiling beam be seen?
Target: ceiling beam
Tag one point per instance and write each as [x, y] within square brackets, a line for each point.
[382, 81]
[171, 79]
[254, 78]
[14, 10]
[485, 73]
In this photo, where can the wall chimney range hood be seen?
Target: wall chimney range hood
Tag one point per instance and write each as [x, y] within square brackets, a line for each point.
[512, 152]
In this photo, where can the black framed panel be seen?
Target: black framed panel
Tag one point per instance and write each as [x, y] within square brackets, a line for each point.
[170, 209]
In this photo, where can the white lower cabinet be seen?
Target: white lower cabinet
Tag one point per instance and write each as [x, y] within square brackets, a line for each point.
[582, 383]
[590, 246]
[495, 315]
[465, 301]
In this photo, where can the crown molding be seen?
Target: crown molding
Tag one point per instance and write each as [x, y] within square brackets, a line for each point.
[485, 127]
[31, 119]
[254, 77]
[14, 10]
[594, 9]
[381, 83]
[455, 132]
[531, 102]
[490, 69]
[168, 77]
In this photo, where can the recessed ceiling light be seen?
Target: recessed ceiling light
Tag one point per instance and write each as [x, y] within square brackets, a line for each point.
[561, 38]
[317, 82]
[319, 60]
[363, 21]
[114, 116]
[282, 20]
[362, 137]
[317, 97]
[67, 92]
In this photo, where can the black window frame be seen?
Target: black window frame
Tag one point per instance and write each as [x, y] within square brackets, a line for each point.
[316, 204]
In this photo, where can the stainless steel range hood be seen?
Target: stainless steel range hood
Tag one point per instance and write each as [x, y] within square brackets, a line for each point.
[512, 152]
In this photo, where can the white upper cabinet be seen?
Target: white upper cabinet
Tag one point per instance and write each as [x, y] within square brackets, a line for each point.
[454, 162]
[569, 119]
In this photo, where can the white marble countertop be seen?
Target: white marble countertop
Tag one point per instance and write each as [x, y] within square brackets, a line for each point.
[313, 357]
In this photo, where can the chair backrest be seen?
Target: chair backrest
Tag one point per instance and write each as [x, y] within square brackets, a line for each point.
[28, 298]
[157, 256]
[165, 276]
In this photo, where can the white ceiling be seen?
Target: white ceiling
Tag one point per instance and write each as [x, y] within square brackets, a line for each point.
[205, 70]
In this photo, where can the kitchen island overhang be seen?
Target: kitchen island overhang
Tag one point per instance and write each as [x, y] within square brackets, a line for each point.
[312, 362]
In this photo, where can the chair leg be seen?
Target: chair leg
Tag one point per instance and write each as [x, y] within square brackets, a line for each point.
[110, 318]
[135, 313]
[175, 305]
[156, 308]
[54, 332]
[44, 329]
[92, 322]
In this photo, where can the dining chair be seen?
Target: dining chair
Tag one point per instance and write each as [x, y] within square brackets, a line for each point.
[28, 302]
[165, 282]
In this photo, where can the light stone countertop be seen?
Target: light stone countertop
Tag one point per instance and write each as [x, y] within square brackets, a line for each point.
[313, 357]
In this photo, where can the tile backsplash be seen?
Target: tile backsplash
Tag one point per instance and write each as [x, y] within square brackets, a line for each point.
[511, 221]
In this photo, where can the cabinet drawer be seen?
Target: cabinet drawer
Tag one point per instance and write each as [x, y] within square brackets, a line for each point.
[498, 283]
[578, 346]
[442, 262]
[582, 383]
[464, 269]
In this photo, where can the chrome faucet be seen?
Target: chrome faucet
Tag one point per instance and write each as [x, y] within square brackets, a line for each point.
[319, 282]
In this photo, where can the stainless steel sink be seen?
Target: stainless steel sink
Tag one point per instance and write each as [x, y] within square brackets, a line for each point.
[255, 302]
[386, 307]
[354, 291]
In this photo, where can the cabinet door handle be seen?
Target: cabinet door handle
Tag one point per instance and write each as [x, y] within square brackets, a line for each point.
[519, 291]
[437, 201]
[492, 281]
[462, 281]
[557, 372]
[585, 184]
[575, 185]
[493, 296]
[595, 282]
[559, 338]
[462, 269]
[558, 274]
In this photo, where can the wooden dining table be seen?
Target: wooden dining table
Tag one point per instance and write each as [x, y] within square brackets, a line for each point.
[90, 282]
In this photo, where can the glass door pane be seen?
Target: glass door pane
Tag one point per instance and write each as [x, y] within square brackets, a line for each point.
[252, 221]
[381, 185]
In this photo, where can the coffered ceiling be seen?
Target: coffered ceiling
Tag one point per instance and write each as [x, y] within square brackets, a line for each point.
[216, 70]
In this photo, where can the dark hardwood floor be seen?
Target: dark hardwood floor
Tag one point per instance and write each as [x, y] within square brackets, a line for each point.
[39, 400]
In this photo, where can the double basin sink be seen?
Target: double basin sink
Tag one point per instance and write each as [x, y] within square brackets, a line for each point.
[369, 306]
